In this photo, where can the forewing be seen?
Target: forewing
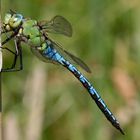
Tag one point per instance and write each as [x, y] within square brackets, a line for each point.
[58, 25]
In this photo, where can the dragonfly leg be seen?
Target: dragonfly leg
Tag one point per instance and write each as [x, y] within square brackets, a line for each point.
[8, 38]
[5, 48]
[17, 53]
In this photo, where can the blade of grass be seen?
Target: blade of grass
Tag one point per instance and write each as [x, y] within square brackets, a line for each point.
[0, 79]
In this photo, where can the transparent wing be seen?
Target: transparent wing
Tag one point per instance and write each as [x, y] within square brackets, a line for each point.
[58, 25]
[67, 55]
[70, 57]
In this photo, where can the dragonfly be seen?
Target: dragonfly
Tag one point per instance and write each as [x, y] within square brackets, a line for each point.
[36, 35]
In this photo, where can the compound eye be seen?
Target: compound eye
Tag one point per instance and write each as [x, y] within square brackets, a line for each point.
[16, 20]
[18, 17]
[7, 18]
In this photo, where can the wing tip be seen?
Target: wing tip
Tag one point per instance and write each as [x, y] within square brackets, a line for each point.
[88, 70]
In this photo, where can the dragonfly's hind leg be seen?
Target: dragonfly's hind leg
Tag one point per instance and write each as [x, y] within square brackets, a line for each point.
[17, 53]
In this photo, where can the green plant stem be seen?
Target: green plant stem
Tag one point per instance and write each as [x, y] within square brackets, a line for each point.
[0, 80]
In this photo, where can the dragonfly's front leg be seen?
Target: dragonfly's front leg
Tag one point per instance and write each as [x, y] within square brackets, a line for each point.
[8, 38]
[17, 53]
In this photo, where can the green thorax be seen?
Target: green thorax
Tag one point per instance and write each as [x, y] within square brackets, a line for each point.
[32, 32]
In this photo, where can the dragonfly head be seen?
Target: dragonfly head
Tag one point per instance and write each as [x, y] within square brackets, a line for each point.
[12, 21]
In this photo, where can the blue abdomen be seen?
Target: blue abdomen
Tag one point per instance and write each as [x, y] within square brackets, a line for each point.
[53, 55]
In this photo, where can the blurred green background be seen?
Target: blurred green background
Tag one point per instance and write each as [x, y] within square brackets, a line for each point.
[45, 102]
